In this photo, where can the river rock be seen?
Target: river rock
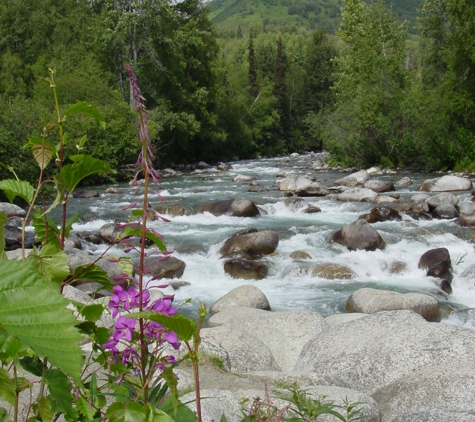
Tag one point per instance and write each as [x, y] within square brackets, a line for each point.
[372, 171]
[446, 184]
[361, 177]
[170, 268]
[332, 271]
[435, 256]
[419, 215]
[311, 210]
[405, 181]
[359, 235]
[302, 185]
[243, 178]
[336, 319]
[109, 233]
[380, 214]
[245, 295]
[294, 203]
[379, 186]
[12, 210]
[173, 210]
[244, 269]
[370, 301]
[300, 255]
[224, 167]
[420, 207]
[233, 207]
[385, 199]
[85, 194]
[435, 387]
[216, 403]
[313, 189]
[444, 198]
[373, 352]
[357, 195]
[347, 181]
[247, 353]
[466, 220]
[296, 327]
[437, 414]
[445, 212]
[13, 238]
[256, 244]
[466, 208]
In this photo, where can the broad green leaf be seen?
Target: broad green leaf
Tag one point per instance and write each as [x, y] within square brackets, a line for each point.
[91, 111]
[183, 413]
[158, 415]
[3, 220]
[92, 313]
[59, 388]
[120, 412]
[33, 310]
[184, 327]
[69, 223]
[51, 262]
[71, 174]
[92, 273]
[45, 410]
[33, 365]
[14, 188]
[46, 229]
[7, 387]
[3, 415]
[42, 150]
[170, 377]
[11, 349]
[126, 265]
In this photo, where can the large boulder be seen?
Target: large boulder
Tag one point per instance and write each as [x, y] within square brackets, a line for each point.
[170, 268]
[216, 403]
[370, 301]
[435, 256]
[313, 189]
[245, 269]
[450, 386]
[233, 207]
[445, 212]
[246, 295]
[301, 185]
[466, 208]
[359, 235]
[357, 195]
[12, 210]
[296, 327]
[373, 352]
[379, 186]
[256, 244]
[444, 198]
[437, 414]
[361, 178]
[173, 210]
[380, 214]
[446, 184]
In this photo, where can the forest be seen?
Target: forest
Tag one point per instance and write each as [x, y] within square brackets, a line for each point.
[369, 93]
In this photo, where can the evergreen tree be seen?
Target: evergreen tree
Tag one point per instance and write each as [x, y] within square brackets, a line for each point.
[283, 130]
[252, 73]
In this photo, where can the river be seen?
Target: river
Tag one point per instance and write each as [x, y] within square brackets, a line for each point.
[197, 238]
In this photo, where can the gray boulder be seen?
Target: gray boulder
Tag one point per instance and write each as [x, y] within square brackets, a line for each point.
[380, 214]
[372, 352]
[214, 404]
[466, 208]
[12, 210]
[446, 184]
[357, 195]
[361, 177]
[313, 189]
[379, 186]
[243, 178]
[405, 181]
[444, 198]
[450, 385]
[333, 271]
[294, 182]
[245, 295]
[370, 301]
[255, 244]
[170, 268]
[233, 207]
[359, 235]
[445, 212]
[437, 414]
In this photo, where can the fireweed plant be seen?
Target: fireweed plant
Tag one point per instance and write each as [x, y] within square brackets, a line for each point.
[145, 328]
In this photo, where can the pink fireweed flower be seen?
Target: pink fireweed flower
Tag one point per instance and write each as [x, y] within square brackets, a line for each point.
[124, 327]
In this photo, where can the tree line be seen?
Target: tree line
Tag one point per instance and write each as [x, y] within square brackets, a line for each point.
[369, 94]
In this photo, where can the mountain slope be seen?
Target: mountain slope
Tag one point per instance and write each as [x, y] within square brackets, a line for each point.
[324, 14]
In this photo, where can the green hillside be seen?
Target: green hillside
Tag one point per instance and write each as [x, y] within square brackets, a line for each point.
[324, 14]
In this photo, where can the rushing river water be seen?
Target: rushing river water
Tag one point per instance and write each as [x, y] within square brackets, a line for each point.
[197, 238]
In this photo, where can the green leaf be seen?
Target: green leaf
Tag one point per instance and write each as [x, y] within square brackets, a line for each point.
[170, 377]
[126, 265]
[85, 409]
[45, 410]
[51, 262]
[42, 150]
[71, 174]
[69, 223]
[184, 327]
[131, 231]
[183, 413]
[7, 387]
[93, 312]
[46, 229]
[3, 415]
[95, 273]
[83, 108]
[3, 220]
[33, 310]
[14, 188]
[158, 415]
[33, 365]
[59, 388]
[120, 412]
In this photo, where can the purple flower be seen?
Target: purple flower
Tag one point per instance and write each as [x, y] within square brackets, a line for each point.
[124, 327]
[164, 306]
[172, 338]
